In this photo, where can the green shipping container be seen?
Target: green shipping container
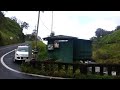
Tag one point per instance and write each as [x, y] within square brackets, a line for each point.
[82, 50]
[71, 50]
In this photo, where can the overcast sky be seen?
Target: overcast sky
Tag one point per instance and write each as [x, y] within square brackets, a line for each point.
[81, 24]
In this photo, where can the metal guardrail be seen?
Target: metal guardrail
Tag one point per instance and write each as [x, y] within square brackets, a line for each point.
[84, 68]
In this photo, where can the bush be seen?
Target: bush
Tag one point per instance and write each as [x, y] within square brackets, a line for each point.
[62, 73]
[56, 73]
[77, 74]
[42, 51]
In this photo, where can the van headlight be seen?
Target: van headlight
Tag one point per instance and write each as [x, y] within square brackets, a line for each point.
[16, 54]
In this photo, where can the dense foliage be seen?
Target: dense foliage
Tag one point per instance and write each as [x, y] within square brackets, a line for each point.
[10, 31]
[106, 48]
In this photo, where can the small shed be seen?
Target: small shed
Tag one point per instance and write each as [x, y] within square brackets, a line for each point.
[68, 49]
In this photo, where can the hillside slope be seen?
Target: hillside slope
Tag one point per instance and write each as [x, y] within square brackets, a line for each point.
[10, 31]
[107, 48]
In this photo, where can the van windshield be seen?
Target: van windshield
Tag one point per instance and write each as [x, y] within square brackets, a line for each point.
[23, 49]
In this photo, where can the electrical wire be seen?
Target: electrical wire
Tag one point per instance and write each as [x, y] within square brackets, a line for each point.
[51, 23]
[44, 24]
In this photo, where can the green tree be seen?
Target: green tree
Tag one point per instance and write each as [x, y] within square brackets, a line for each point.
[52, 34]
[24, 25]
[118, 27]
[1, 17]
[14, 18]
[1, 14]
[99, 32]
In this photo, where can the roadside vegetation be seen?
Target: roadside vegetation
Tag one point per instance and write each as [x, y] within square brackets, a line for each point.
[53, 71]
[106, 48]
[42, 50]
[41, 47]
[11, 30]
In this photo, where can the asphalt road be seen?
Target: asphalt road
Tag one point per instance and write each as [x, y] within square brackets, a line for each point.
[8, 60]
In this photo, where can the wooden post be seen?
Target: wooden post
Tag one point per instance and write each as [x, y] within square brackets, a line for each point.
[59, 66]
[33, 62]
[83, 69]
[74, 68]
[93, 69]
[117, 70]
[66, 67]
[101, 70]
[109, 70]
[40, 65]
[45, 66]
[51, 66]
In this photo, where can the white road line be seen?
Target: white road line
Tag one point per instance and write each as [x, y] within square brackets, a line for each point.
[6, 65]
[23, 72]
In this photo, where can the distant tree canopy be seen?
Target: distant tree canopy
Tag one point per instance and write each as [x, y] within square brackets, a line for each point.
[32, 37]
[52, 34]
[1, 14]
[101, 32]
[118, 28]
[93, 38]
[14, 19]
[24, 25]
[21, 23]
[34, 32]
[1, 17]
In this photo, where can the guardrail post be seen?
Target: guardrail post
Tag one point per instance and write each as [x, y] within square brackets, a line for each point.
[59, 66]
[51, 66]
[101, 70]
[66, 67]
[109, 70]
[74, 68]
[33, 62]
[93, 69]
[45, 66]
[83, 69]
[39, 65]
[117, 70]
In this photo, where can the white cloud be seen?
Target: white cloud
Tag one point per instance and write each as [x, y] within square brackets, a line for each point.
[82, 24]
[28, 16]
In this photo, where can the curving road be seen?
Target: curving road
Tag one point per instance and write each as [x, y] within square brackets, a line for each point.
[8, 60]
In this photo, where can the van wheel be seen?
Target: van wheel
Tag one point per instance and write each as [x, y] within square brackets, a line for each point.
[23, 61]
[14, 60]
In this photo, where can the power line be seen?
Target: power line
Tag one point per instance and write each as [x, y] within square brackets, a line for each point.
[44, 24]
[51, 23]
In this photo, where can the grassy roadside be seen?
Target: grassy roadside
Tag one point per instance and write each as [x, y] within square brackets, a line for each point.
[28, 68]
[41, 47]
[10, 32]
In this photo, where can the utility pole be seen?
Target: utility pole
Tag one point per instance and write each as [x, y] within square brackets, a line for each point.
[37, 27]
[36, 36]
[52, 33]
[52, 23]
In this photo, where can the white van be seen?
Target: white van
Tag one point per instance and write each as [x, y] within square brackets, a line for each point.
[22, 53]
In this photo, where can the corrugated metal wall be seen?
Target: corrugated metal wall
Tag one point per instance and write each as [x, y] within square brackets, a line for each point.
[82, 49]
[72, 50]
[64, 53]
